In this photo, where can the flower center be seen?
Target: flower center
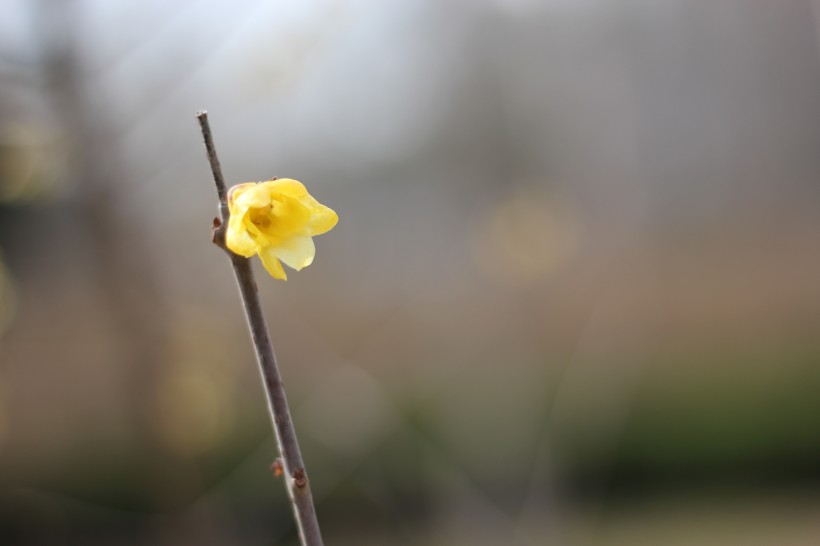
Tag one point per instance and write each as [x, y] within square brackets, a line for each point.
[261, 217]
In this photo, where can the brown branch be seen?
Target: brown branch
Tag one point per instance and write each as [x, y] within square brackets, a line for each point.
[298, 486]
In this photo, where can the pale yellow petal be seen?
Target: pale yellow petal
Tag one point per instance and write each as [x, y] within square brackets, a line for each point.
[250, 196]
[241, 243]
[322, 220]
[272, 264]
[286, 186]
[241, 199]
[288, 217]
[233, 208]
[296, 252]
[235, 190]
[233, 193]
[238, 239]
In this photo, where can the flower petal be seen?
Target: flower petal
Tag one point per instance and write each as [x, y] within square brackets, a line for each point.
[322, 219]
[240, 199]
[296, 252]
[288, 217]
[234, 191]
[238, 239]
[250, 196]
[286, 186]
[272, 264]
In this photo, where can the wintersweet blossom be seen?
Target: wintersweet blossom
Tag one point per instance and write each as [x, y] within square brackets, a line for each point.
[277, 220]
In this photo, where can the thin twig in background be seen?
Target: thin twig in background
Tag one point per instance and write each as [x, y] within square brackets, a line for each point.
[296, 483]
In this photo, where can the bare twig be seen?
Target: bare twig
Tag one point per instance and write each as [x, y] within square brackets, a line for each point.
[297, 485]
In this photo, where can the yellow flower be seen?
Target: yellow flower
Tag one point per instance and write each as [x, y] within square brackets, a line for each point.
[276, 219]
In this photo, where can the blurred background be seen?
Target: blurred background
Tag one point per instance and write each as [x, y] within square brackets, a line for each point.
[573, 297]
